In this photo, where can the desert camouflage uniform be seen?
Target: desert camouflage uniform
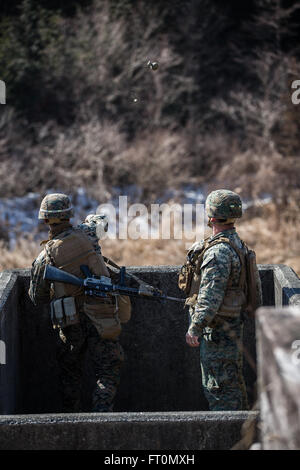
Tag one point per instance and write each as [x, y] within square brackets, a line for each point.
[221, 339]
[106, 355]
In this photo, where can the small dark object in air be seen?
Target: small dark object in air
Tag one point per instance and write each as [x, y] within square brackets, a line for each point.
[152, 65]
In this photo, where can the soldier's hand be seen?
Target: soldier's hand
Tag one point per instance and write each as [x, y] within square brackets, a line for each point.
[192, 340]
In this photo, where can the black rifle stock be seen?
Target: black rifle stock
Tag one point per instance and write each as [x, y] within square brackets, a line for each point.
[58, 275]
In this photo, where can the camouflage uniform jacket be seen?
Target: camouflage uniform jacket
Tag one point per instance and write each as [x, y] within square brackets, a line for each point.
[220, 264]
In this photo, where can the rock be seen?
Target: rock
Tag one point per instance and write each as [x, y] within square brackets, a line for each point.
[278, 349]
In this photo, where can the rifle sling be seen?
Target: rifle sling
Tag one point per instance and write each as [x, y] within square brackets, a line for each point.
[139, 281]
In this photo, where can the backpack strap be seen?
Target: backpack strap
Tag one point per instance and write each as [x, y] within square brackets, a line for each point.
[241, 255]
[133, 276]
[199, 255]
[49, 258]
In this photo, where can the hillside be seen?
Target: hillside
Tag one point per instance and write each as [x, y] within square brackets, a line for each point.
[85, 111]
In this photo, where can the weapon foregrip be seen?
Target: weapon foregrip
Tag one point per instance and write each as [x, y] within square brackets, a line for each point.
[85, 270]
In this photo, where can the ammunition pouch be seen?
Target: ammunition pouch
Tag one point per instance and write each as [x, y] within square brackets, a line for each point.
[63, 312]
[104, 316]
[185, 278]
[123, 304]
[232, 304]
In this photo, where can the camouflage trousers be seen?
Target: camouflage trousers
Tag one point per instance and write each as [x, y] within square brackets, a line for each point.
[106, 356]
[221, 361]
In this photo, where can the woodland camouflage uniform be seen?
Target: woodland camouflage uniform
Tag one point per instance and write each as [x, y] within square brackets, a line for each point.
[220, 336]
[74, 340]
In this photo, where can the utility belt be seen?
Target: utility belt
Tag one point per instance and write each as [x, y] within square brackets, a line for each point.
[64, 311]
[106, 315]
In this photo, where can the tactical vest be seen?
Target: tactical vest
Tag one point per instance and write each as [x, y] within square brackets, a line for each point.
[242, 296]
[68, 251]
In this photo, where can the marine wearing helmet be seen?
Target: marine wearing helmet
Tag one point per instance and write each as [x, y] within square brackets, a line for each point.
[215, 283]
[82, 323]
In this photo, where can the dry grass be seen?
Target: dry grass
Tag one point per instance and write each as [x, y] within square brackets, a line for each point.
[118, 124]
[274, 236]
[20, 257]
[274, 239]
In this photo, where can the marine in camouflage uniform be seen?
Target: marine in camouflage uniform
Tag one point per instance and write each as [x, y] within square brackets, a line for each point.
[74, 340]
[221, 337]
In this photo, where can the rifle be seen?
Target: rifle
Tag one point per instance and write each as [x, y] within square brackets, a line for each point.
[102, 286]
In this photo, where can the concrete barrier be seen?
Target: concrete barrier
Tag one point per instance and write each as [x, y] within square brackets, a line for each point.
[286, 286]
[10, 387]
[123, 431]
[161, 373]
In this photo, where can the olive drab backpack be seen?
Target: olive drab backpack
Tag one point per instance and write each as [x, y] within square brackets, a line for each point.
[243, 297]
[68, 251]
[253, 293]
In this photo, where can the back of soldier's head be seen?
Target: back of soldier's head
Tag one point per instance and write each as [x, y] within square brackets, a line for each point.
[223, 206]
[56, 208]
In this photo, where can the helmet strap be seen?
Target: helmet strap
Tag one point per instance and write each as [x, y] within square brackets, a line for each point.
[57, 228]
[55, 220]
[214, 221]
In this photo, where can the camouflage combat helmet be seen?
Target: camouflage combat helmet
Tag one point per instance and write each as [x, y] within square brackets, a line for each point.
[56, 206]
[224, 204]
